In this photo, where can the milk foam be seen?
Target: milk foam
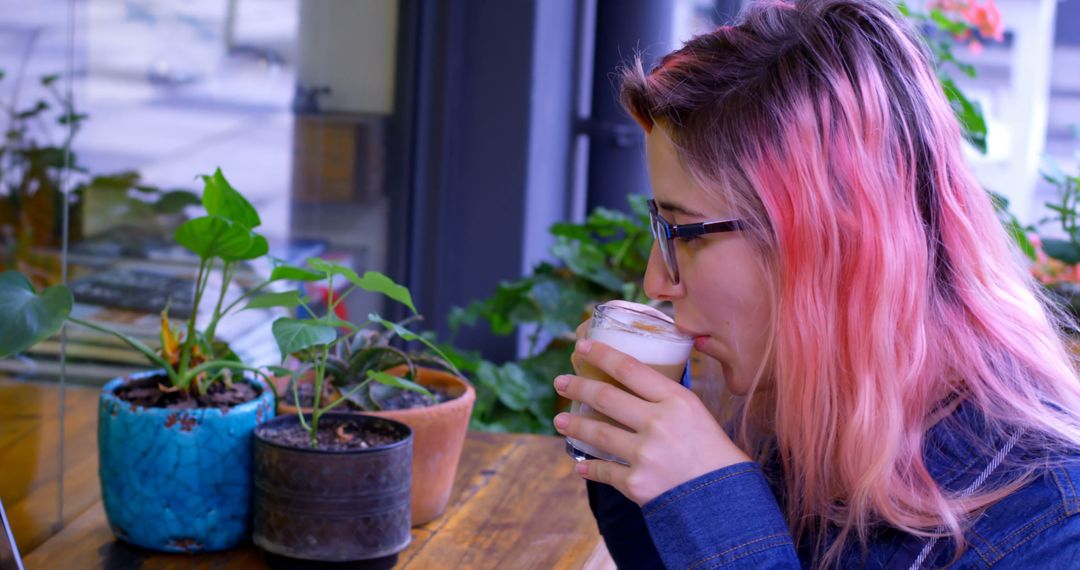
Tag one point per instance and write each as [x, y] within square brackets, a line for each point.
[656, 349]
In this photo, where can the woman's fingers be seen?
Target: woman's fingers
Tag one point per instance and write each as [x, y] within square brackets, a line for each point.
[606, 399]
[610, 439]
[610, 473]
[628, 371]
[582, 330]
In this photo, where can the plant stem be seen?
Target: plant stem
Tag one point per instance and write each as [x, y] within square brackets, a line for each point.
[227, 272]
[320, 378]
[245, 295]
[189, 341]
[296, 400]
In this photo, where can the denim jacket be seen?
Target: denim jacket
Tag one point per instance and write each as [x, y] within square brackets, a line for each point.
[732, 517]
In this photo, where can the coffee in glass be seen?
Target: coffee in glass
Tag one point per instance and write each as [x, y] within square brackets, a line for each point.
[639, 331]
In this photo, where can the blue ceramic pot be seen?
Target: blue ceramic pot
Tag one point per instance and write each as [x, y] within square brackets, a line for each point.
[178, 480]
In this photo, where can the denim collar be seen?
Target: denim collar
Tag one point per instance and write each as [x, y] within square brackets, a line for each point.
[958, 447]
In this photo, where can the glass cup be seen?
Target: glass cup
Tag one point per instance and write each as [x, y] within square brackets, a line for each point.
[641, 332]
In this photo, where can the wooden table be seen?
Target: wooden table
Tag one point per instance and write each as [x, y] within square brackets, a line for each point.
[516, 502]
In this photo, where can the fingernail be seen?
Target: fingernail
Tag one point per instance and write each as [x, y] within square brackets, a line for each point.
[562, 420]
[582, 469]
[584, 346]
[561, 382]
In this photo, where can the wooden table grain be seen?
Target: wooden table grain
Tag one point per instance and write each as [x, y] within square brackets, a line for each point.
[516, 502]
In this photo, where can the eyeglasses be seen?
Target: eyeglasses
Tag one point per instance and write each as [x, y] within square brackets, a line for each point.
[665, 234]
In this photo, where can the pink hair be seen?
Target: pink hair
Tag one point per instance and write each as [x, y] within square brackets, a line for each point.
[894, 285]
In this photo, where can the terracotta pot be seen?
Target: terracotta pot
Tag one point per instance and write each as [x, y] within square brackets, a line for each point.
[438, 432]
[439, 435]
[284, 408]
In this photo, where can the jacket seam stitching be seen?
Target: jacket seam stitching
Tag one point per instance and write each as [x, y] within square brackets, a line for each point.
[988, 545]
[1071, 502]
[1038, 520]
[698, 487]
[1030, 536]
[761, 548]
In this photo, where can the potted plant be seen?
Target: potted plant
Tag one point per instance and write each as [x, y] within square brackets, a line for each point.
[174, 443]
[439, 420]
[334, 486]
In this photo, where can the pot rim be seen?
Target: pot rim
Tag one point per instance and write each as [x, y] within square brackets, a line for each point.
[342, 415]
[265, 391]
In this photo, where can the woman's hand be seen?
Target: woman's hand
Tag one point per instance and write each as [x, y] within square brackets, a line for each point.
[674, 438]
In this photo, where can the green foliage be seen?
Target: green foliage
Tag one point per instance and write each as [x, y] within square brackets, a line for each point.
[1064, 214]
[33, 161]
[28, 317]
[295, 335]
[221, 239]
[355, 362]
[601, 259]
[938, 29]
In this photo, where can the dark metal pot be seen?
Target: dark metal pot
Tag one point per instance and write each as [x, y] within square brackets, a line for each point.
[333, 505]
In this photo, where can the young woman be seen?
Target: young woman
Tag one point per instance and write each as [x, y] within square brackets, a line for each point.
[904, 398]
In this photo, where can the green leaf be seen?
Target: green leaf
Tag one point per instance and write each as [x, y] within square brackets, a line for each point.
[288, 299]
[213, 236]
[586, 260]
[376, 282]
[337, 323]
[294, 335]
[946, 23]
[48, 80]
[174, 201]
[408, 335]
[29, 318]
[288, 272]
[1020, 237]
[968, 113]
[221, 199]
[332, 268]
[1065, 251]
[259, 247]
[512, 386]
[71, 117]
[33, 111]
[399, 330]
[395, 382]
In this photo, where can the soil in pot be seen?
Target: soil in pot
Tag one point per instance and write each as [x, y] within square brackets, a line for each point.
[335, 434]
[339, 502]
[147, 392]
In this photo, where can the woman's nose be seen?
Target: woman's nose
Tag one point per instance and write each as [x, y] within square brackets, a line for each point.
[658, 285]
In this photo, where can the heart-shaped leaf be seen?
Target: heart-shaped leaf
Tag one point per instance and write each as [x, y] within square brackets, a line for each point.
[288, 299]
[379, 283]
[259, 247]
[221, 199]
[29, 318]
[294, 335]
[213, 236]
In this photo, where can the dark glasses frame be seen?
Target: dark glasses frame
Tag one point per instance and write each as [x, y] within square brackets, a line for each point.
[665, 233]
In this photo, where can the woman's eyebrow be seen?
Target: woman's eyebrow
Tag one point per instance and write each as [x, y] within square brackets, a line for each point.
[673, 207]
